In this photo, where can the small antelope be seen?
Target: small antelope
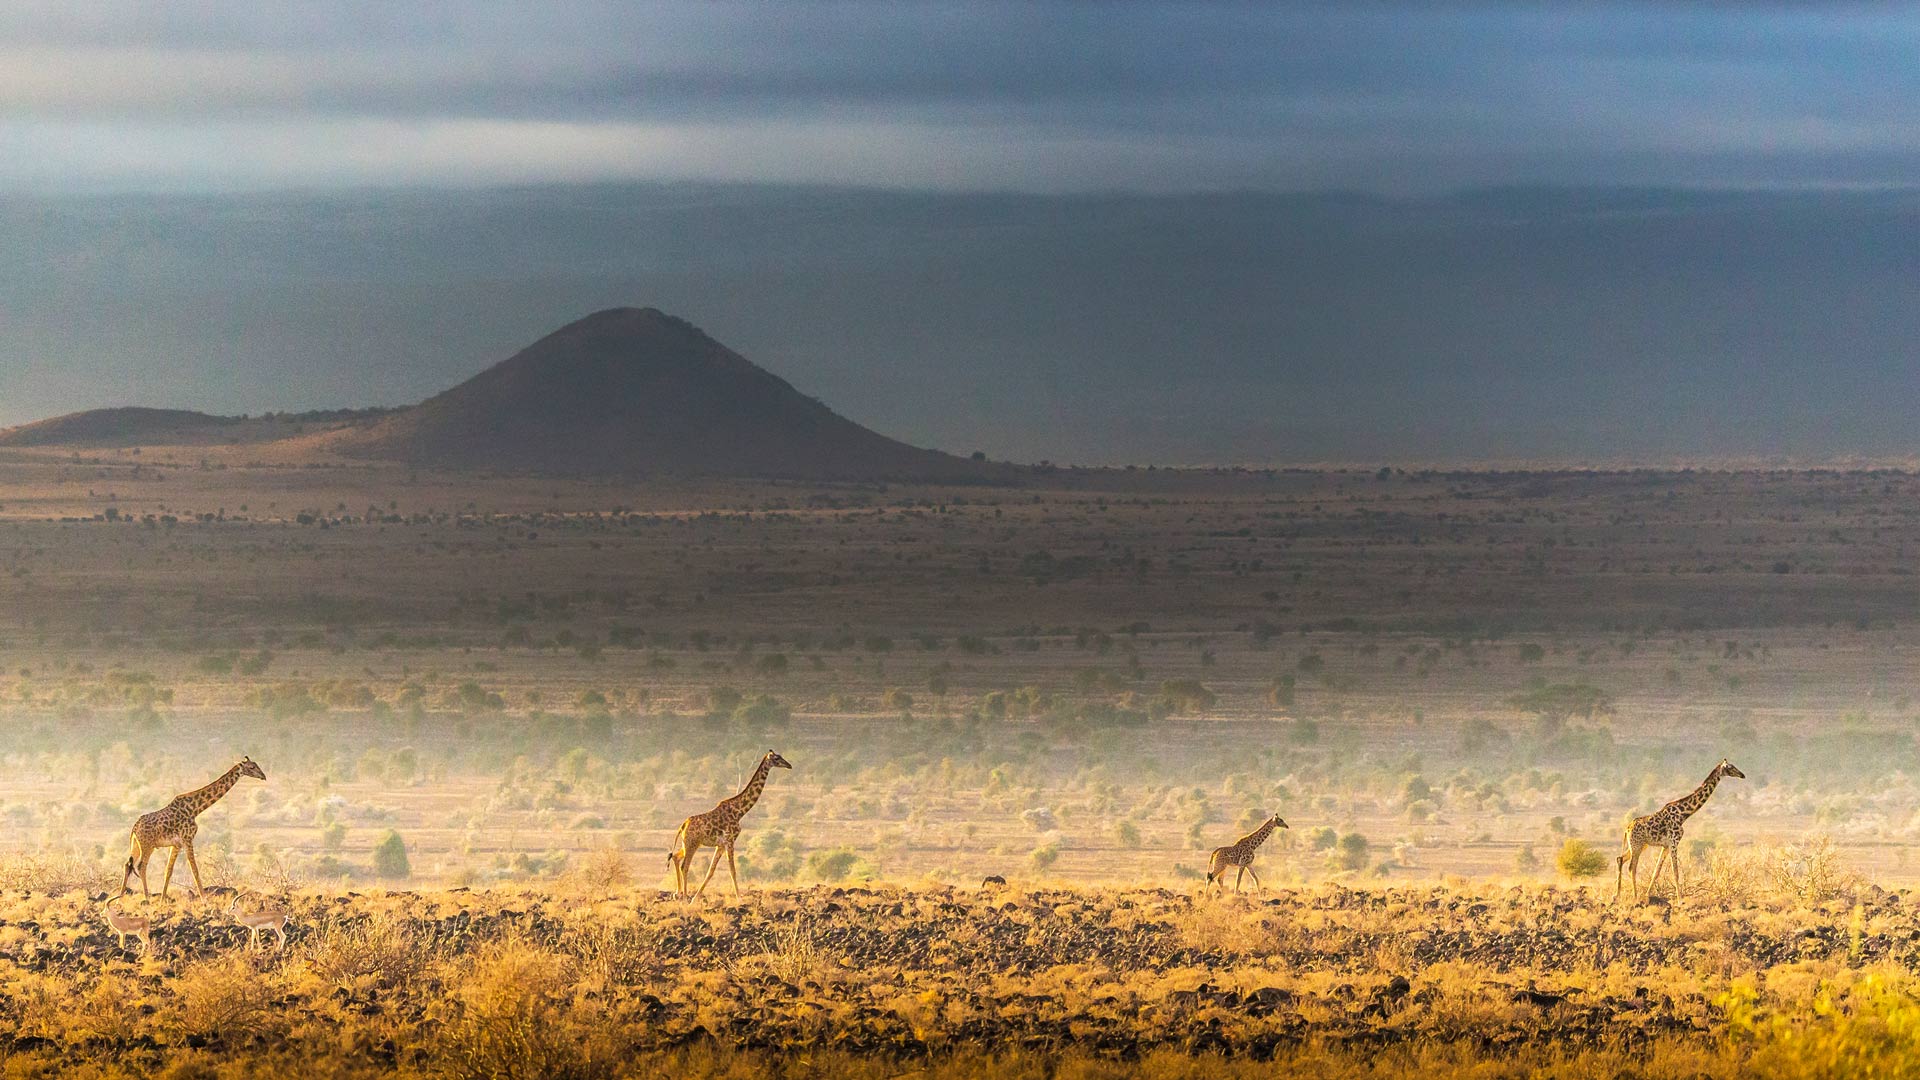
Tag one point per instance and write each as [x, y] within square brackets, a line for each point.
[136, 926]
[267, 918]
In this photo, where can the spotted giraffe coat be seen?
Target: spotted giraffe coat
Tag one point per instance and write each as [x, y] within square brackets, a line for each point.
[719, 828]
[175, 825]
[1664, 829]
[1240, 853]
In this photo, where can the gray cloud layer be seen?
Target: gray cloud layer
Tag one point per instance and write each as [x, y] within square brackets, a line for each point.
[1033, 96]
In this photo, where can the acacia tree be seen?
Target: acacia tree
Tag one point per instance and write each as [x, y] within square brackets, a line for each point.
[1553, 705]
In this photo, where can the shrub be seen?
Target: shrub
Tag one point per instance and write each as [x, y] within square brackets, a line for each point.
[390, 857]
[604, 871]
[365, 954]
[722, 700]
[1353, 852]
[831, 865]
[762, 710]
[507, 1022]
[1187, 695]
[1579, 859]
[226, 996]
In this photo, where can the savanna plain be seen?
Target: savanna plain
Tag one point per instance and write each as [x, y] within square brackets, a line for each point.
[1019, 718]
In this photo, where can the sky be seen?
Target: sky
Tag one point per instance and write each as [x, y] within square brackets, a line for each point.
[1185, 232]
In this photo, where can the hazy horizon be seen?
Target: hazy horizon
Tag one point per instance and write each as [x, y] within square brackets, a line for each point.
[1520, 324]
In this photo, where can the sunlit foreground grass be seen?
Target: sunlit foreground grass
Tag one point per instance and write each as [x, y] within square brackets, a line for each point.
[588, 981]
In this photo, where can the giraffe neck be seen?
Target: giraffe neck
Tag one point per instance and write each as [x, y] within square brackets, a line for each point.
[1695, 801]
[1257, 837]
[750, 794]
[199, 799]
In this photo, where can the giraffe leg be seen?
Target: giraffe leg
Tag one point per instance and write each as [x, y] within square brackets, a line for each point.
[173, 854]
[1633, 871]
[137, 857]
[1238, 878]
[1256, 878]
[194, 866]
[1658, 865]
[732, 872]
[711, 867]
[1677, 887]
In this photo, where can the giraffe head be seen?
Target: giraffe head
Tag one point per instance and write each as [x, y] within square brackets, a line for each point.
[1276, 822]
[776, 761]
[248, 768]
[1726, 768]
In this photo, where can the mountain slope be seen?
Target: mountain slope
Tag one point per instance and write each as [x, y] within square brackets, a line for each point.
[637, 391]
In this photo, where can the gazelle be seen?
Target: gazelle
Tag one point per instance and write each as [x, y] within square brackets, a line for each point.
[136, 926]
[267, 918]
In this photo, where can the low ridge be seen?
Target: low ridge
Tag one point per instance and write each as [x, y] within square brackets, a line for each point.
[129, 426]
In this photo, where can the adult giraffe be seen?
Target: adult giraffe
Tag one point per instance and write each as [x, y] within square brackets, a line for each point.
[1662, 829]
[1240, 854]
[719, 828]
[173, 826]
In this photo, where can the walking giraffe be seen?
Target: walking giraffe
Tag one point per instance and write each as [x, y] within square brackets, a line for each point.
[1240, 854]
[718, 828]
[173, 826]
[1662, 829]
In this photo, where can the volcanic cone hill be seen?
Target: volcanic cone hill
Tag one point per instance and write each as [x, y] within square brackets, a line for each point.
[637, 391]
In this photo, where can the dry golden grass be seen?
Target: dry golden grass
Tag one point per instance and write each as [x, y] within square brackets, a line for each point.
[857, 982]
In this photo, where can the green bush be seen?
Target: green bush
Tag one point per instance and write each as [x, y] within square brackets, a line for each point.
[1353, 852]
[831, 865]
[1579, 859]
[390, 857]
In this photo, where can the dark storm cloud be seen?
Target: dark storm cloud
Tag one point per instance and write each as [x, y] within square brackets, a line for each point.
[1056, 95]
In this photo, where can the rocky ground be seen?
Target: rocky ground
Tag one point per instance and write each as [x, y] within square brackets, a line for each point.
[469, 983]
